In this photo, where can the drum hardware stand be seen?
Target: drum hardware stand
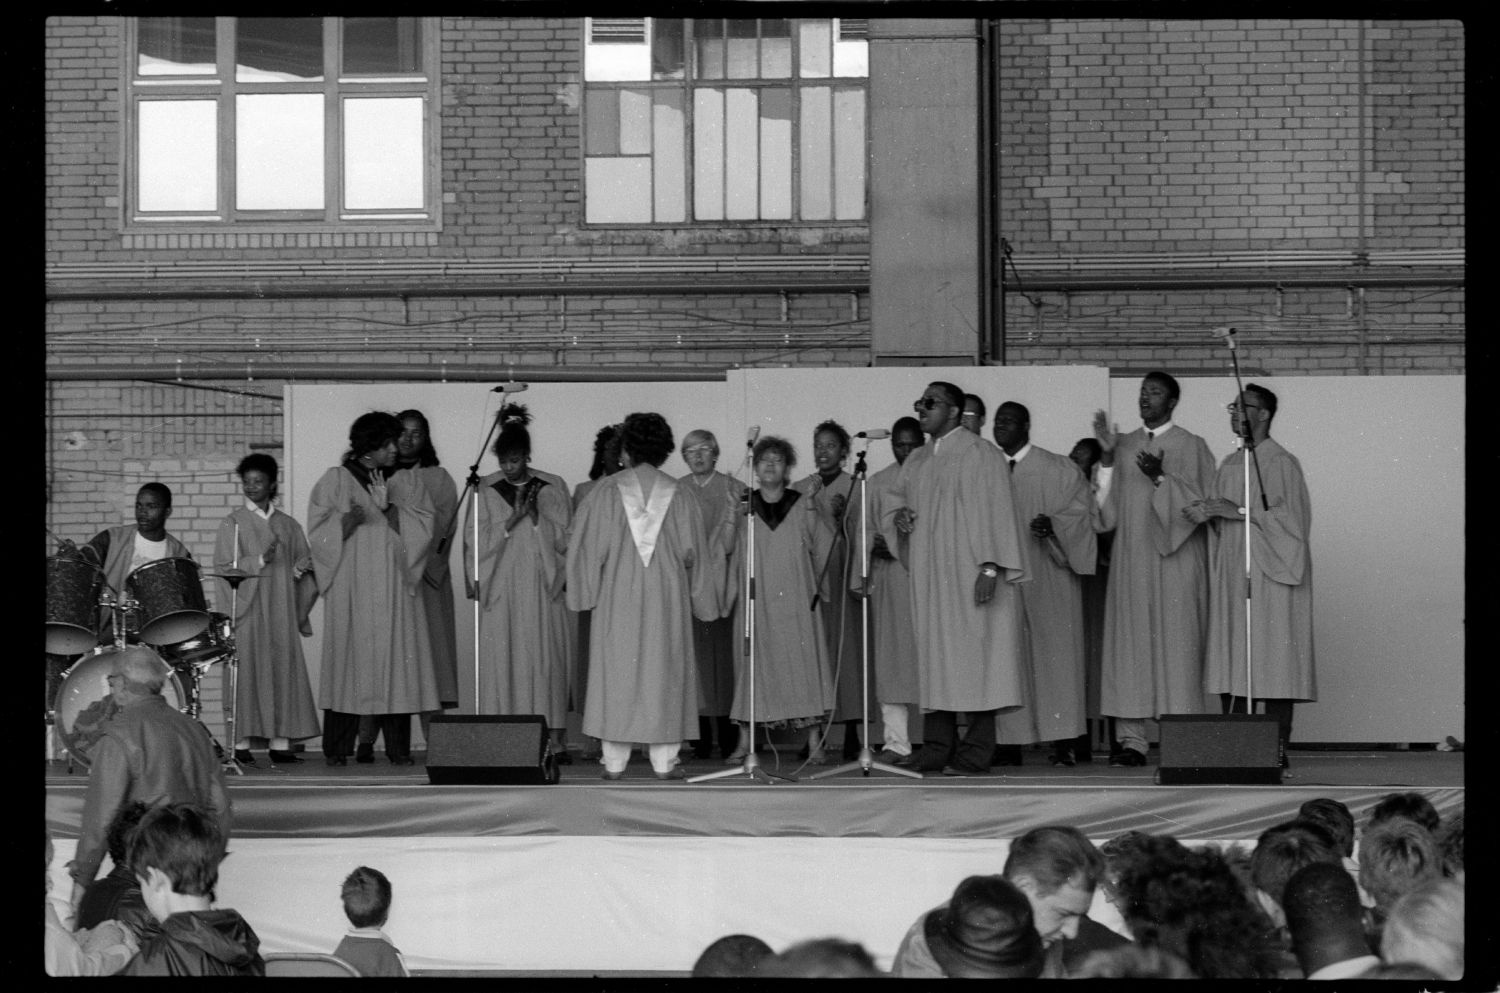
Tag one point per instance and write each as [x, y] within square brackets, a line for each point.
[232, 660]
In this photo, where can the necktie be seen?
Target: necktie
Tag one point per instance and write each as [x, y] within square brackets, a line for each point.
[1012, 465]
[1150, 435]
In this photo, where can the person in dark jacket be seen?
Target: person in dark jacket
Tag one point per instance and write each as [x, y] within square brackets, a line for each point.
[117, 896]
[175, 853]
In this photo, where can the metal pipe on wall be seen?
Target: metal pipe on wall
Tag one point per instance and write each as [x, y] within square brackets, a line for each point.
[378, 371]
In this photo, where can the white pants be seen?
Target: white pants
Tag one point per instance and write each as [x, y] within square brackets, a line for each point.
[893, 716]
[617, 755]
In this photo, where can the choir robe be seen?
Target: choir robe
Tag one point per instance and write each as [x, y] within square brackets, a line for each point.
[633, 557]
[1156, 613]
[715, 646]
[840, 609]
[273, 697]
[1281, 583]
[893, 647]
[375, 641]
[523, 641]
[970, 657]
[437, 581]
[1044, 482]
[578, 669]
[793, 677]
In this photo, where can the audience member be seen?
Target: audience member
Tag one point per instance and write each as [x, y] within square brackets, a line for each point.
[175, 852]
[1412, 806]
[1426, 928]
[102, 951]
[1401, 970]
[367, 903]
[985, 931]
[822, 958]
[1393, 858]
[1325, 919]
[1334, 818]
[1133, 962]
[117, 896]
[732, 956]
[1279, 852]
[1450, 840]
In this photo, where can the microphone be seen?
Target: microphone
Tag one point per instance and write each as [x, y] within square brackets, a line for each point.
[510, 388]
[874, 435]
[751, 436]
[1227, 334]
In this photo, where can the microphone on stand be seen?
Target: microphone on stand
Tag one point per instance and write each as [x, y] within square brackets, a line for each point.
[1227, 334]
[750, 438]
[874, 435]
[510, 388]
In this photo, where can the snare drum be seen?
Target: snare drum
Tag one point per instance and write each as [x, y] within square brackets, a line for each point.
[85, 704]
[211, 642]
[170, 594]
[72, 605]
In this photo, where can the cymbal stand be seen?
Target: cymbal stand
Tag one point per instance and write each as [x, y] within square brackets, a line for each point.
[232, 660]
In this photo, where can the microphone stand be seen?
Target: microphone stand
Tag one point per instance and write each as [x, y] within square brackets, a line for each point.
[866, 760]
[471, 489]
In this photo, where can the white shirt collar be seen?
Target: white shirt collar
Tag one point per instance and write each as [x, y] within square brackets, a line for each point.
[264, 515]
[1020, 452]
[1161, 429]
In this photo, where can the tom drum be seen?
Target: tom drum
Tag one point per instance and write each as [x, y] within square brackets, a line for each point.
[73, 587]
[170, 594]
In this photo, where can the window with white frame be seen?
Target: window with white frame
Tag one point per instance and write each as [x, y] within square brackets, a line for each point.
[692, 120]
[303, 119]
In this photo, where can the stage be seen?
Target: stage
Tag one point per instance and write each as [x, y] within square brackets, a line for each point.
[635, 877]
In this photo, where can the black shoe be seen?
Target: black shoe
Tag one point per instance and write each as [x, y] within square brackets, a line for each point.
[243, 756]
[1063, 756]
[851, 746]
[1007, 755]
[963, 769]
[284, 758]
[364, 754]
[335, 760]
[402, 760]
[926, 759]
[562, 758]
[1128, 757]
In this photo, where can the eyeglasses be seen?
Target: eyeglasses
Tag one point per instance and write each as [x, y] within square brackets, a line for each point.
[698, 450]
[927, 403]
[1234, 408]
[969, 413]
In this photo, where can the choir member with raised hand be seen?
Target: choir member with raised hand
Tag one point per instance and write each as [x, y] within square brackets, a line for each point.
[831, 491]
[370, 534]
[635, 559]
[523, 640]
[267, 547]
[793, 680]
[715, 646]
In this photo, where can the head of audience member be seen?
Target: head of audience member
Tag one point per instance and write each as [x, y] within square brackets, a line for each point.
[1012, 427]
[414, 446]
[1057, 868]
[1394, 857]
[1279, 852]
[258, 472]
[606, 451]
[120, 826]
[972, 419]
[1188, 902]
[372, 440]
[822, 958]
[773, 458]
[732, 956]
[49, 860]
[367, 897]
[512, 445]
[1450, 840]
[986, 931]
[1411, 806]
[646, 439]
[175, 852]
[1085, 454]
[1133, 962]
[700, 450]
[1159, 396]
[1426, 928]
[1119, 853]
[906, 437]
[940, 408]
[830, 448]
[1335, 819]
[153, 505]
[1324, 916]
[135, 674]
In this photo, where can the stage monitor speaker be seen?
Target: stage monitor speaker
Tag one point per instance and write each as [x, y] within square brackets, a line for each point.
[1240, 749]
[489, 750]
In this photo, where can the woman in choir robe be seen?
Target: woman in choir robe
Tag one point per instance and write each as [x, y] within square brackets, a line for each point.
[415, 452]
[635, 559]
[832, 491]
[370, 534]
[267, 547]
[523, 529]
[606, 463]
[793, 683]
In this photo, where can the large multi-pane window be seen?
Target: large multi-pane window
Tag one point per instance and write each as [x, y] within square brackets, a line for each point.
[242, 119]
[724, 120]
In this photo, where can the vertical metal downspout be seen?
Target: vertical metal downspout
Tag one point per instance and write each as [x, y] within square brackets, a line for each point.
[991, 290]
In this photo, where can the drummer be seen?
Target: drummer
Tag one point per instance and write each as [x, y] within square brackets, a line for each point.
[124, 548]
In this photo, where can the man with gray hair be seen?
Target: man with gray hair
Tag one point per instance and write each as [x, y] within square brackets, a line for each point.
[149, 751]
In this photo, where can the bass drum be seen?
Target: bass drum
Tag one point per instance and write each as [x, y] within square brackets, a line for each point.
[85, 704]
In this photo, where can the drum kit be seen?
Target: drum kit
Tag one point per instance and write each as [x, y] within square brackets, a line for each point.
[161, 613]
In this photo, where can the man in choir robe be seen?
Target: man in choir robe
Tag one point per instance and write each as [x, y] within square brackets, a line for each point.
[1157, 610]
[635, 559]
[955, 527]
[1281, 639]
[1055, 501]
[972, 419]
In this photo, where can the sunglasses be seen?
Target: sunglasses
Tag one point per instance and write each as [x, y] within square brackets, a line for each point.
[927, 403]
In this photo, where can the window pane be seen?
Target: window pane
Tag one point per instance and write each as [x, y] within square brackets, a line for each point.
[708, 43]
[815, 47]
[177, 155]
[176, 46]
[815, 153]
[666, 48]
[776, 154]
[669, 157]
[277, 49]
[382, 45]
[851, 58]
[279, 152]
[383, 154]
[601, 122]
[617, 191]
[775, 48]
[741, 155]
[635, 122]
[708, 155]
[849, 154]
[743, 61]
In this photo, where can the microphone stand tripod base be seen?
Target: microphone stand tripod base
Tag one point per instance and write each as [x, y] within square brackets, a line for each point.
[865, 763]
[751, 769]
